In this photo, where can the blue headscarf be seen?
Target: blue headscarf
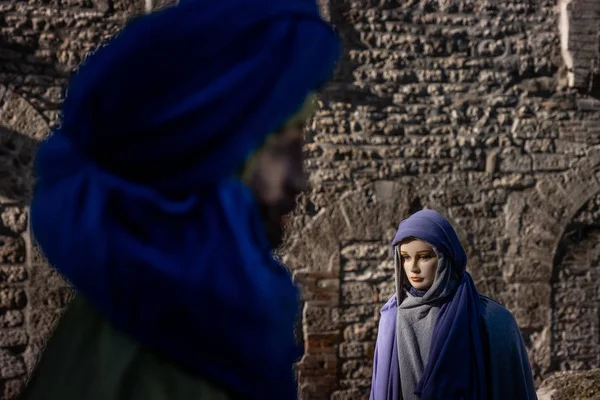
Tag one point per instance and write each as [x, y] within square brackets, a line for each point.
[455, 368]
[136, 202]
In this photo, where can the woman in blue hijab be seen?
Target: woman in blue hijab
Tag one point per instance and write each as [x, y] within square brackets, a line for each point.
[438, 338]
[162, 195]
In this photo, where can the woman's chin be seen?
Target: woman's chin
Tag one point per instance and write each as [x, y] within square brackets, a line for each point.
[420, 285]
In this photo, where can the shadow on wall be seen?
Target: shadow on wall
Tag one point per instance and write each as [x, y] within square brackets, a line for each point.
[31, 85]
[31, 82]
[33, 73]
[16, 166]
[342, 88]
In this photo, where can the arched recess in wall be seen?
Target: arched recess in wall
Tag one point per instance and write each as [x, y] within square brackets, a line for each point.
[536, 222]
[342, 263]
[21, 130]
[575, 340]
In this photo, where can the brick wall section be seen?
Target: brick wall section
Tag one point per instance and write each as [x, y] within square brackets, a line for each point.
[458, 105]
[579, 22]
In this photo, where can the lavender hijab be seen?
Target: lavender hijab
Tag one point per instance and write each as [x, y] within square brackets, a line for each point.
[454, 369]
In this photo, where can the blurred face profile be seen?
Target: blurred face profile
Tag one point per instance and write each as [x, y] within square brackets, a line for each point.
[276, 176]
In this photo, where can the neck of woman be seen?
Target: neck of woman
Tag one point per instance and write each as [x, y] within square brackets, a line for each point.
[417, 292]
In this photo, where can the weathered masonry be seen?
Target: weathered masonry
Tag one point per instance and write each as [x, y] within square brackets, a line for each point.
[486, 111]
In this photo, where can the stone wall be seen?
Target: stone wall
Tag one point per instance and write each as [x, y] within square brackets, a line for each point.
[471, 108]
[483, 110]
[571, 385]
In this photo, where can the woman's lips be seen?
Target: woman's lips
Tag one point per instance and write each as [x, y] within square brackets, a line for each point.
[416, 279]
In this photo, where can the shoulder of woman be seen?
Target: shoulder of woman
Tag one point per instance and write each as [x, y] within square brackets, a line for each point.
[391, 304]
[494, 313]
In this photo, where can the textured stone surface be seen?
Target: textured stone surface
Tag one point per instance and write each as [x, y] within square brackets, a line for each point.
[571, 385]
[580, 41]
[576, 325]
[464, 107]
[480, 110]
[14, 219]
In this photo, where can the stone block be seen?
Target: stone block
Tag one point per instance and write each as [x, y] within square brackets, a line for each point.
[12, 298]
[12, 250]
[357, 350]
[13, 274]
[351, 394]
[363, 332]
[588, 105]
[317, 318]
[549, 162]
[363, 384]
[357, 369]
[11, 366]
[515, 181]
[351, 350]
[309, 391]
[365, 251]
[568, 385]
[19, 115]
[318, 365]
[352, 314]
[11, 319]
[322, 343]
[14, 218]
[368, 271]
[358, 293]
[539, 146]
[511, 160]
[310, 292]
[11, 388]
[13, 338]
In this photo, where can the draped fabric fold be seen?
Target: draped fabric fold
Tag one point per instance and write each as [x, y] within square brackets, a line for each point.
[136, 202]
[385, 382]
[457, 335]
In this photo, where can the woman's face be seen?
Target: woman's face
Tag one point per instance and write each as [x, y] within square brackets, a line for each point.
[419, 262]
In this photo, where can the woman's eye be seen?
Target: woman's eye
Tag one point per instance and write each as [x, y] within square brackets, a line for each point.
[405, 257]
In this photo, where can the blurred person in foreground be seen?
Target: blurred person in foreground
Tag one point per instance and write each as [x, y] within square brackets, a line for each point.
[161, 197]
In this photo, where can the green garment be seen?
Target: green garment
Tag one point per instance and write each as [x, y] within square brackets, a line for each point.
[87, 359]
